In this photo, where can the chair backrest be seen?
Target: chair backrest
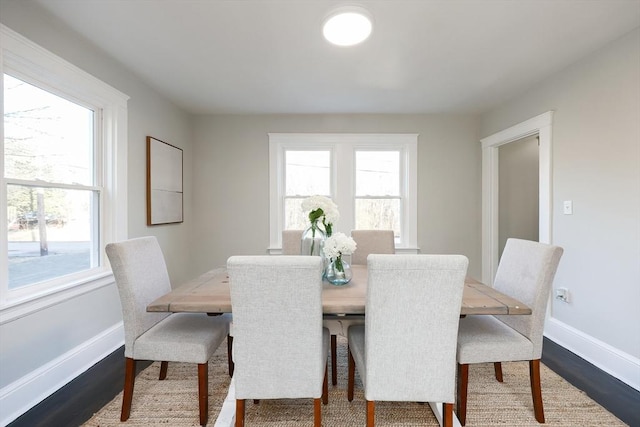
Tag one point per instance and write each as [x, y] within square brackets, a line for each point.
[411, 326]
[291, 242]
[525, 272]
[141, 277]
[277, 326]
[371, 242]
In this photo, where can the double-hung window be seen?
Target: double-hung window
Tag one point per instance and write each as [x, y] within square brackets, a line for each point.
[371, 177]
[62, 132]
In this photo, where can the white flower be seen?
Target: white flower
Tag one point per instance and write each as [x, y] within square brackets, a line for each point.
[337, 245]
[321, 208]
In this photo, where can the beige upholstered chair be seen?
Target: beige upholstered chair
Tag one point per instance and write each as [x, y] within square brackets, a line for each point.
[416, 300]
[371, 242]
[291, 242]
[280, 347]
[526, 273]
[141, 277]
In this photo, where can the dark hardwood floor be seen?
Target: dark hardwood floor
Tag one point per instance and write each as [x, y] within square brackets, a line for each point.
[81, 398]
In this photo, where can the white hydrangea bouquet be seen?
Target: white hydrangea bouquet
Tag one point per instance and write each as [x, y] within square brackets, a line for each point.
[321, 208]
[337, 245]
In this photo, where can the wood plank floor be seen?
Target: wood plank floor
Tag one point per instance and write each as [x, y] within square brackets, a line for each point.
[81, 398]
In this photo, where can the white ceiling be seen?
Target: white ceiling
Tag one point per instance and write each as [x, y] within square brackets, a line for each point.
[268, 56]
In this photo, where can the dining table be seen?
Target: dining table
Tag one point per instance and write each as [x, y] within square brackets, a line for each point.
[210, 293]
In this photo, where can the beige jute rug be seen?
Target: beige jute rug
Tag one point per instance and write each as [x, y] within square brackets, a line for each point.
[174, 401]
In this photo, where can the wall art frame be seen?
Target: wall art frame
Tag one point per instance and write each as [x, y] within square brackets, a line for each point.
[164, 183]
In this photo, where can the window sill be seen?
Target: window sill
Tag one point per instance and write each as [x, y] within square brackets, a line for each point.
[15, 309]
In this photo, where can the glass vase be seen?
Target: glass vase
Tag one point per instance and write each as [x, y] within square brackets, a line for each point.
[338, 272]
[312, 241]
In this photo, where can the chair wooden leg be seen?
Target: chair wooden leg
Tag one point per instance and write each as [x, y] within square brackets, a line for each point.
[352, 373]
[317, 413]
[334, 360]
[447, 415]
[239, 412]
[497, 367]
[230, 355]
[536, 389]
[325, 385]
[371, 413]
[203, 392]
[463, 383]
[163, 370]
[127, 394]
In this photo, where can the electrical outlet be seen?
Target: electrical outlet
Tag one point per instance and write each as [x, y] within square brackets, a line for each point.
[562, 294]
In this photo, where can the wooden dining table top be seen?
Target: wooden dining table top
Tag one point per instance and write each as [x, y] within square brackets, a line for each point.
[210, 293]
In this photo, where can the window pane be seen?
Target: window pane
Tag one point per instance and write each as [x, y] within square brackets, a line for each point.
[46, 137]
[294, 217]
[307, 173]
[377, 173]
[65, 243]
[378, 214]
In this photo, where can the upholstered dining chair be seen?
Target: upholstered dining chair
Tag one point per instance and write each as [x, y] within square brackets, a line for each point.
[280, 347]
[141, 277]
[291, 242]
[406, 350]
[371, 242]
[525, 272]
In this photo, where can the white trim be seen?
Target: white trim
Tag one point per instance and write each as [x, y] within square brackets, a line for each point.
[617, 363]
[540, 125]
[342, 146]
[26, 392]
[21, 56]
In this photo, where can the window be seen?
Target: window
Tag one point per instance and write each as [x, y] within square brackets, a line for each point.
[64, 143]
[371, 177]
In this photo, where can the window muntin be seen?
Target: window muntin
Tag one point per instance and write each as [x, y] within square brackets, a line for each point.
[52, 200]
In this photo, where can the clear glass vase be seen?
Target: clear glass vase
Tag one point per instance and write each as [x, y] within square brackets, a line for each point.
[338, 272]
[312, 241]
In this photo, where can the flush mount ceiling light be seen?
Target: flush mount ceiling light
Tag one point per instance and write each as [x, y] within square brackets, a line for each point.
[347, 26]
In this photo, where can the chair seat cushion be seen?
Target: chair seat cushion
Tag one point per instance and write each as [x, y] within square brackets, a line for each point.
[338, 325]
[486, 339]
[182, 337]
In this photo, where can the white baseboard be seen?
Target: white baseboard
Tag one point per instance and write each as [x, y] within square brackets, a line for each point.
[616, 363]
[25, 393]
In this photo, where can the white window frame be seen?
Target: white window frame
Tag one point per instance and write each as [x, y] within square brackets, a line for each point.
[343, 147]
[24, 59]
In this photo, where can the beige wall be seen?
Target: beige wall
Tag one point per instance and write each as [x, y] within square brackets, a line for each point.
[231, 180]
[518, 191]
[596, 164]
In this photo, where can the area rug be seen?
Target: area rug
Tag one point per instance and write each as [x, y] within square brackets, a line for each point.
[174, 401]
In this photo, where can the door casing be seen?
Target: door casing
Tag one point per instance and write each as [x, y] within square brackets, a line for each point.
[542, 126]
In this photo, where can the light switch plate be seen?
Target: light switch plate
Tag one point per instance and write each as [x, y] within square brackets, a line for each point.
[568, 207]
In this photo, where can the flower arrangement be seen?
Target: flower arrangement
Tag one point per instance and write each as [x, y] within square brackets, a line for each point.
[337, 245]
[321, 208]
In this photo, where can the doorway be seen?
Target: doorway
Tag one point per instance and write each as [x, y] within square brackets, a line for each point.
[518, 194]
[540, 126]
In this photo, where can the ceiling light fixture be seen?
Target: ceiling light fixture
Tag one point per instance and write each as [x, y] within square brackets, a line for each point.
[347, 26]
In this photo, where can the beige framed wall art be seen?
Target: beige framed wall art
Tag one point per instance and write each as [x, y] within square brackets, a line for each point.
[164, 183]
